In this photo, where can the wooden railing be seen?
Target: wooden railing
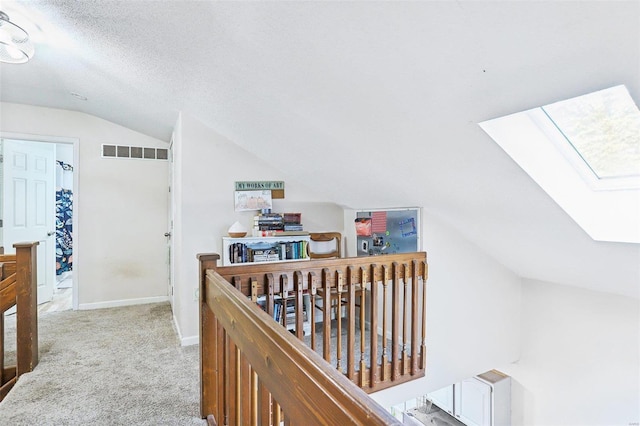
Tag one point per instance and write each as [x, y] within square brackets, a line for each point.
[18, 287]
[239, 340]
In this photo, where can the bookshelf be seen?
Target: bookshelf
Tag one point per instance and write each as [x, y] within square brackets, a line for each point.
[284, 311]
[253, 250]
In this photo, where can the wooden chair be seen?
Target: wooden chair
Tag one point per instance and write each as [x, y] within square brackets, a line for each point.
[325, 245]
[328, 245]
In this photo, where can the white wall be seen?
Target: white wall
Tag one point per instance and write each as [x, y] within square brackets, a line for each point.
[64, 153]
[473, 313]
[206, 167]
[121, 256]
[580, 358]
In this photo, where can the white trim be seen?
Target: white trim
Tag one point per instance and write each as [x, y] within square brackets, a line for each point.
[190, 341]
[185, 341]
[75, 301]
[119, 303]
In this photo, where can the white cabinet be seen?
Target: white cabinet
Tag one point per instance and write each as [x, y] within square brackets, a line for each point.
[472, 399]
[443, 398]
[271, 249]
[483, 400]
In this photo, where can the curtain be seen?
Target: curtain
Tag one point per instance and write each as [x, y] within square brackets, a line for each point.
[64, 214]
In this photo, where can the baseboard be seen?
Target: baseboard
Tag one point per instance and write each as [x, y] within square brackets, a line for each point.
[189, 341]
[185, 341]
[119, 303]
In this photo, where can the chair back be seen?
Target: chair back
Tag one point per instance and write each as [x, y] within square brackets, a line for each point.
[325, 245]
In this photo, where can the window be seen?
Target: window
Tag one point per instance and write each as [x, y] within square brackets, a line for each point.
[585, 153]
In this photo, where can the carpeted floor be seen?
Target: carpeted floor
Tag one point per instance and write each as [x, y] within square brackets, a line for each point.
[119, 366]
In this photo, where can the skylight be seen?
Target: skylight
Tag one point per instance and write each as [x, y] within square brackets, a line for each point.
[585, 153]
[603, 128]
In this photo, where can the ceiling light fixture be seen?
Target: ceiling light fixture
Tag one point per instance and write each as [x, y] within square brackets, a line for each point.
[15, 45]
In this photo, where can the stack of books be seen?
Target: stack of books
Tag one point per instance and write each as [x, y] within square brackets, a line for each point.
[292, 222]
[268, 222]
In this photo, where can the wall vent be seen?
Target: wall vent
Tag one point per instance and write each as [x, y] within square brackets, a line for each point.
[135, 152]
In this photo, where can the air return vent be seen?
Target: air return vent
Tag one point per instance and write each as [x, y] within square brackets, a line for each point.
[135, 152]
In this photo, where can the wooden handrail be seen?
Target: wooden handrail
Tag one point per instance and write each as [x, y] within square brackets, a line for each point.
[391, 294]
[307, 390]
[18, 287]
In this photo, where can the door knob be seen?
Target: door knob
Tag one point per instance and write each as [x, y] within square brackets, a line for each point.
[50, 233]
[167, 234]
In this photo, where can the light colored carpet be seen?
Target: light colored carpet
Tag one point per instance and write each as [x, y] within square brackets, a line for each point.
[119, 366]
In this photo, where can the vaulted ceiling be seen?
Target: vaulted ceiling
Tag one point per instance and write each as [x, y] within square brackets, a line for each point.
[373, 104]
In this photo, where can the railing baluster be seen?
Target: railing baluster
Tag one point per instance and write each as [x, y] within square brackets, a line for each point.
[313, 285]
[264, 405]
[395, 319]
[254, 397]
[326, 315]
[246, 391]
[351, 330]
[225, 378]
[237, 283]
[405, 313]
[339, 292]
[414, 317]
[276, 413]
[385, 350]
[374, 328]
[271, 291]
[254, 289]
[284, 295]
[299, 312]
[363, 362]
[423, 348]
[234, 384]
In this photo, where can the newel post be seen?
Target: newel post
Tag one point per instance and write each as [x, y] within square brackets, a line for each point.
[26, 307]
[208, 342]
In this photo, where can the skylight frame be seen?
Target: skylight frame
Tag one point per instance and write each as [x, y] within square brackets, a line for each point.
[581, 164]
[578, 163]
[536, 145]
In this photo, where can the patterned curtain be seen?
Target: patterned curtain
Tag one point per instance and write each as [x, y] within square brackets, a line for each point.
[64, 214]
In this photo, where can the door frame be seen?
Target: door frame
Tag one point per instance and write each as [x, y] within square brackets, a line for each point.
[76, 167]
[170, 211]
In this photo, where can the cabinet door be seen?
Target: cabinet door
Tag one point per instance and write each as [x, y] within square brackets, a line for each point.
[443, 398]
[473, 402]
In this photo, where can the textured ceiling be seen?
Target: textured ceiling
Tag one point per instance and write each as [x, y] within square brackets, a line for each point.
[388, 93]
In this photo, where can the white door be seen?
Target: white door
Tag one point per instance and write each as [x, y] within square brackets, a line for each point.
[29, 204]
[473, 402]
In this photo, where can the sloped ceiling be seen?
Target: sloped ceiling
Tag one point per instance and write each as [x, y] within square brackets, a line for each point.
[373, 104]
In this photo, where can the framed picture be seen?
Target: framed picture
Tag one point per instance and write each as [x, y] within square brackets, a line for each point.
[252, 200]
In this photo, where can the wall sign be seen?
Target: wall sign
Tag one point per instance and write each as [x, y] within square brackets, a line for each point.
[258, 185]
[276, 187]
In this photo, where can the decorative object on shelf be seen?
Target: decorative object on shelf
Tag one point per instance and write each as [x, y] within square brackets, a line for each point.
[237, 230]
[15, 45]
